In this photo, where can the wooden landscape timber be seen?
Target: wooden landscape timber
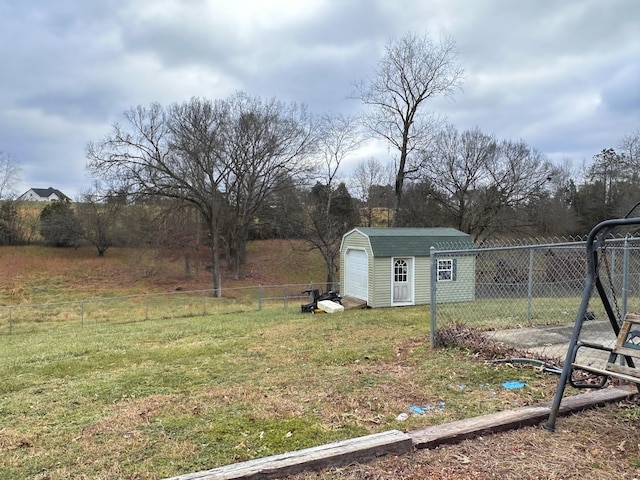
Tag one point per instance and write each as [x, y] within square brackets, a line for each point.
[335, 454]
[511, 419]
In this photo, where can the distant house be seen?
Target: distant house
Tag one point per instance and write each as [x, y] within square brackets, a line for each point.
[43, 195]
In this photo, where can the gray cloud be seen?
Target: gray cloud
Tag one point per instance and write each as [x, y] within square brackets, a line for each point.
[563, 76]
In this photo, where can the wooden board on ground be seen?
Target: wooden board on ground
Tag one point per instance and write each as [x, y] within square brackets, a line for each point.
[336, 454]
[508, 420]
[351, 303]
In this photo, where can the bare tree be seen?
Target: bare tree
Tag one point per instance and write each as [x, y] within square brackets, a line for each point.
[98, 212]
[477, 179]
[458, 171]
[263, 143]
[9, 175]
[332, 212]
[412, 70]
[368, 174]
[630, 147]
[178, 233]
[222, 157]
[553, 213]
[174, 158]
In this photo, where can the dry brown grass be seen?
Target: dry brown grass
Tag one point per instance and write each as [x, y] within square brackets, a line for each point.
[36, 274]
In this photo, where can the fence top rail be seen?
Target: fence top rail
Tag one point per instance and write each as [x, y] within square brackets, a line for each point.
[533, 246]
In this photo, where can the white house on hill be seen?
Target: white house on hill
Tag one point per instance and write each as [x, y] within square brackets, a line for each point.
[43, 195]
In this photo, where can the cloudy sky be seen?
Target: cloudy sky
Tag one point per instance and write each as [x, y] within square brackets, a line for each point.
[562, 75]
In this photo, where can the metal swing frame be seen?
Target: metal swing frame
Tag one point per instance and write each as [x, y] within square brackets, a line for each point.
[596, 241]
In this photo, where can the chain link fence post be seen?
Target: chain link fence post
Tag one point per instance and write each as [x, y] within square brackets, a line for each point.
[625, 276]
[530, 286]
[285, 298]
[433, 301]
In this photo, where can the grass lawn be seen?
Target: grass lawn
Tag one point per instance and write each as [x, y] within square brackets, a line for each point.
[165, 397]
[98, 393]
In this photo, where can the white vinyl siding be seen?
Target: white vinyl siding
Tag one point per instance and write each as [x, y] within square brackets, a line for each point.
[422, 280]
[463, 288]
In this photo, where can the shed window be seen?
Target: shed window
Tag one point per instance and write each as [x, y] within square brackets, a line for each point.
[446, 270]
[400, 271]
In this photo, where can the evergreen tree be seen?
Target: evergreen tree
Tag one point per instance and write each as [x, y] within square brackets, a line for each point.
[59, 225]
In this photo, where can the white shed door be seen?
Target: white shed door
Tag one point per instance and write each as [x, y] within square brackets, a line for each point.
[402, 281]
[356, 274]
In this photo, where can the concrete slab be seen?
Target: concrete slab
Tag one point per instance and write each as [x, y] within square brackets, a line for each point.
[553, 341]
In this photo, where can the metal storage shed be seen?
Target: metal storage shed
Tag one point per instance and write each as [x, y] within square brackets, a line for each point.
[391, 266]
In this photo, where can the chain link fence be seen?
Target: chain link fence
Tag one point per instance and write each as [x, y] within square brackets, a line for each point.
[527, 296]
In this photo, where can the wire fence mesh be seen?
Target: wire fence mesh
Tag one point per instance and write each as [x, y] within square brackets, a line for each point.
[527, 296]
[24, 318]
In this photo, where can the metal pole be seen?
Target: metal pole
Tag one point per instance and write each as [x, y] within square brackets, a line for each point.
[530, 286]
[432, 306]
[285, 300]
[625, 278]
[571, 351]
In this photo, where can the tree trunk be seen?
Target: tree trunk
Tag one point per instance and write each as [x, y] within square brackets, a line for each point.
[399, 185]
[398, 199]
[187, 265]
[331, 269]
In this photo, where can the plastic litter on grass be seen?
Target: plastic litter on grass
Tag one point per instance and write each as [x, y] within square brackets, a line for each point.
[513, 385]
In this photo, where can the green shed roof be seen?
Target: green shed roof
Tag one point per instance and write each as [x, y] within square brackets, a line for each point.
[395, 242]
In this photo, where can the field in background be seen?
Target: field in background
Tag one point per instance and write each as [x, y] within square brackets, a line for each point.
[37, 274]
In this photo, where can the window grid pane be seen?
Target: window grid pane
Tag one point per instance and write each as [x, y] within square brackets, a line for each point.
[445, 270]
[400, 271]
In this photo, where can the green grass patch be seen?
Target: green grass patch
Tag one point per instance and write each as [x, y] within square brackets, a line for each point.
[159, 398]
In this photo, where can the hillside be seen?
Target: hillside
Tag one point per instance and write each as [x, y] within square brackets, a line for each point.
[36, 274]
